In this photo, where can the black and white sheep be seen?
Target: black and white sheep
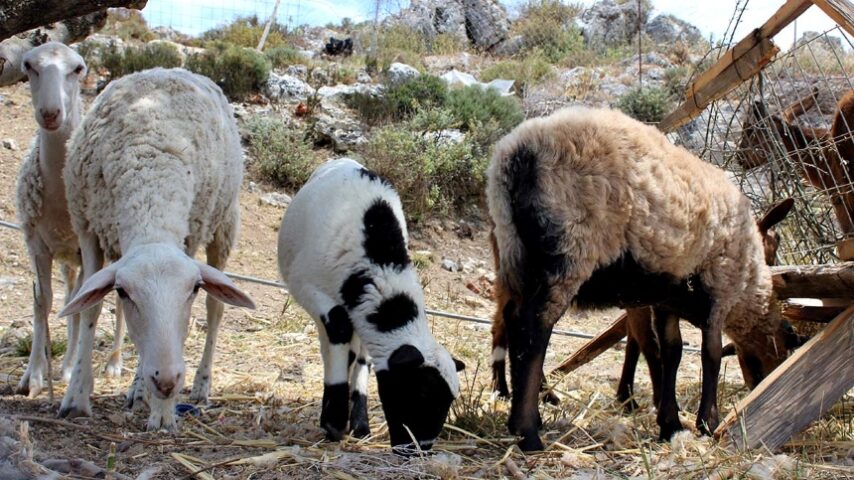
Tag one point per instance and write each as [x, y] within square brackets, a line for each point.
[54, 71]
[594, 209]
[153, 173]
[343, 254]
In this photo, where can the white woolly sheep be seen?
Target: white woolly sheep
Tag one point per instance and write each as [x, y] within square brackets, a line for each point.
[153, 173]
[54, 71]
[592, 208]
[343, 254]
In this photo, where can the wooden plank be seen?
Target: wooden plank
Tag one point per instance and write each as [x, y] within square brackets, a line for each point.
[819, 310]
[814, 281]
[845, 249]
[841, 11]
[592, 349]
[709, 82]
[18, 16]
[798, 392]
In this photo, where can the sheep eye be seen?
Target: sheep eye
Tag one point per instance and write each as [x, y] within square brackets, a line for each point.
[28, 66]
[196, 288]
[122, 293]
[78, 69]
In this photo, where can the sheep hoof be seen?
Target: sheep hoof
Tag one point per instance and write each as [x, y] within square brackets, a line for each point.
[361, 430]
[73, 411]
[113, 369]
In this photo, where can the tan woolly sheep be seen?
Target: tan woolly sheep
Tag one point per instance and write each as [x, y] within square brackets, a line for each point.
[595, 209]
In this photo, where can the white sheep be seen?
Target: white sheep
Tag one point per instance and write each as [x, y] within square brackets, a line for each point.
[153, 173]
[595, 209]
[54, 72]
[343, 254]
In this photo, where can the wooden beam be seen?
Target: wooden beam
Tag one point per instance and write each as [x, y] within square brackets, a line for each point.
[814, 281]
[798, 392]
[841, 11]
[739, 63]
[592, 349]
[819, 310]
[18, 16]
[845, 249]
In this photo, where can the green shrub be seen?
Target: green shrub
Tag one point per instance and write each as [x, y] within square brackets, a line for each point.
[399, 102]
[397, 43]
[238, 71]
[474, 106]
[128, 25]
[533, 68]
[548, 26]
[431, 174]
[675, 81]
[285, 56]
[24, 347]
[246, 32]
[135, 59]
[280, 153]
[645, 104]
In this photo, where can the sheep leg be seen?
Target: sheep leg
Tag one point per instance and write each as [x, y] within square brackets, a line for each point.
[114, 362]
[32, 382]
[652, 355]
[136, 393]
[707, 415]
[217, 254]
[499, 354]
[73, 322]
[670, 342]
[359, 372]
[528, 328]
[76, 402]
[625, 389]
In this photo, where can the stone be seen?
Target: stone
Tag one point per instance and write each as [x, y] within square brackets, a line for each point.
[286, 88]
[486, 22]
[10, 144]
[398, 73]
[298, 71]
[319, 76]
[338, 129]
[450, 265]
[275, 199]
[363, 77]
[253, 187]
[509, 47]
[666, 28]
[609, 24]
[450, 136]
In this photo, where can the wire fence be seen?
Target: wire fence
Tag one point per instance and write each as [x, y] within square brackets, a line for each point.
[782, 134]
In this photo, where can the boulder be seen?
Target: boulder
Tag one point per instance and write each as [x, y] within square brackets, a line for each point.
[484, 23]
[609, 24]
[398, 73]
[299, 71]
[487, 24]
[286, 88]
[509, 47]
[339, 130]
[666, 28]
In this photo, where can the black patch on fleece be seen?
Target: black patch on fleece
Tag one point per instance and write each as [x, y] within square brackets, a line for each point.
[375, 177]
[383, 242]
[540, 236]
[354, 287]
[413, 395]
[338, 326]
[334, 410]
[351, 357]
[394, 312]
[626, 284]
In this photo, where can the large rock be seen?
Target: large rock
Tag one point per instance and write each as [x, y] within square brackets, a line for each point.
[666, 28]
[398, 73]
[334, 127]
[285, 88]
[608, 24]
[486, 22]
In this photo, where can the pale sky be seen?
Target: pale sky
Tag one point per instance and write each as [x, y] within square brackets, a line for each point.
[711, 17]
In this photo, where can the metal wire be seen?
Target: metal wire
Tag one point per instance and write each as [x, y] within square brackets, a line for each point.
[436, 313]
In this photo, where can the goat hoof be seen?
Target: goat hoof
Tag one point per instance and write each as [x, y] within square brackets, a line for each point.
[361, 430]
[551, 398]
[333, 434]
[667, 431]
[73, 411]
[630, 406]
[531, 443]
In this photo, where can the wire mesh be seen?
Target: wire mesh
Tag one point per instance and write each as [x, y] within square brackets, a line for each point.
[781, 135]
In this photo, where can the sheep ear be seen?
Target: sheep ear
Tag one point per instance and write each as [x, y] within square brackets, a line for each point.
[93, 290]
[405, 357]
[776, 214]
[222, 288]
[459, 364]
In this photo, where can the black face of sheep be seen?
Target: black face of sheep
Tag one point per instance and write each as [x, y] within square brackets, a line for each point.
[415, 398]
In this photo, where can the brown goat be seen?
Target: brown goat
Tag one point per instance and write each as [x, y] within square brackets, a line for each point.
[826, 156]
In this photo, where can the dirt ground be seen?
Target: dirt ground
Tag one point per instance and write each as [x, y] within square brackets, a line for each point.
[262, 421]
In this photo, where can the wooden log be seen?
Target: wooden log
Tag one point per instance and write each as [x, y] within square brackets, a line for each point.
[841, 11]
[814, 281]
[739, 63]
[819, 310]
[845, 249]
[798, 392]
[18, 16]
[68, 31]
[592, 349]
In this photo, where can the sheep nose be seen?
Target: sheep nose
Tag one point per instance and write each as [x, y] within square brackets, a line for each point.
[165, 385]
